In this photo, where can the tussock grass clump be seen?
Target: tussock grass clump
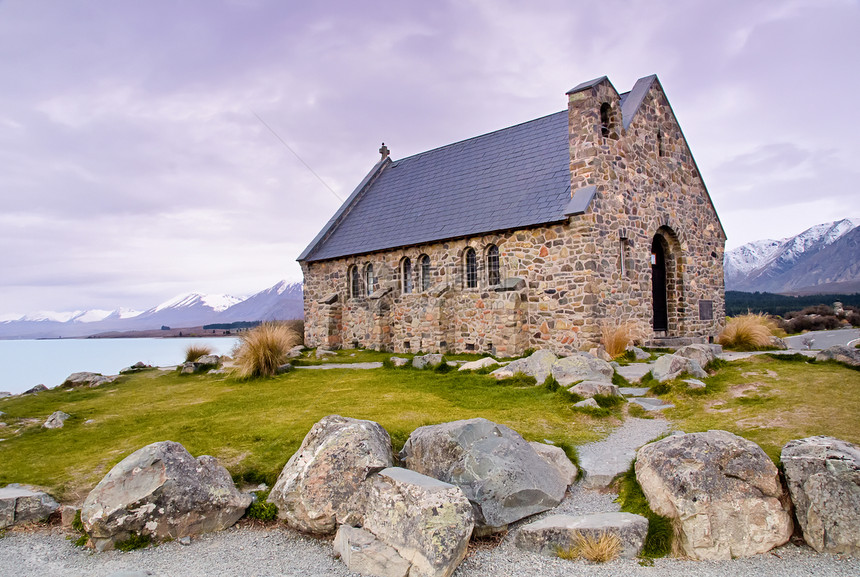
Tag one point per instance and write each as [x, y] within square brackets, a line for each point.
[598, 548]
[194, 352]
[263, 349]
[749, 332]
[616, 338]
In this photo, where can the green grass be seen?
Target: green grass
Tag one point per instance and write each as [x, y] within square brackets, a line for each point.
[658, 541]
[770, 400]
[134, 542]
[254, 426]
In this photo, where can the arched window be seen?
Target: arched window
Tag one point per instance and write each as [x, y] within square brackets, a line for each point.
[494, 277]
[406, 276]
[369, 279]
[354, 282]
[424, 272]
[605, 110]
[470, 263]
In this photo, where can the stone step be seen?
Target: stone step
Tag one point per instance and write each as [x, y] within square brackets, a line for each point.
[562, 532]
[650, 404]
[634, 391]
[604, 460]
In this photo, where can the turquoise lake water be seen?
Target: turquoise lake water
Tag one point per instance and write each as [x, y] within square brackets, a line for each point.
[27, 363]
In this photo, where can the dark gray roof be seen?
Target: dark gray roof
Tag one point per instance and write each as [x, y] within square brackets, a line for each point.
[511, 178]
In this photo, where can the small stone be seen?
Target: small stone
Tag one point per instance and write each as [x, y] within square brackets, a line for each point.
[185, 540]
[399, 361]
[56, 420]
[695, 384]
[479, 364]
[590, 388]
[67, 515]
[587, 403]
[325, 353]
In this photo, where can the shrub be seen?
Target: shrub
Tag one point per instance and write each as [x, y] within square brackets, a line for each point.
[747, 332]
[597, 548]
[263, 349]
[616, 338]
[136, 541]
[261, 510]
[608, 401]
[194, 352]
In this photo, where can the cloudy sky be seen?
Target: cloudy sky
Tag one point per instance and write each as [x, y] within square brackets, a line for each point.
[134, 167]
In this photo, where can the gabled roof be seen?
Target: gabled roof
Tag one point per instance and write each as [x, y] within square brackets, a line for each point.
[512, 178]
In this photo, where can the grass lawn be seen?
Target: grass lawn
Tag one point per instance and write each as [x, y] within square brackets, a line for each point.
[253, 427]
[771, 401]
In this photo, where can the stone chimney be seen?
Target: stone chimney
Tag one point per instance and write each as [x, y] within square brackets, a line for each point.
[594, 123]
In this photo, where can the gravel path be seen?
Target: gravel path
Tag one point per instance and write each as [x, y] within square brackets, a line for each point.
[605, 459]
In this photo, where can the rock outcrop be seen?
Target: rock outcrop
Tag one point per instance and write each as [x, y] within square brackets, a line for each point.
[669, 367]
[23, 504]
[581, 367]
[556, 532]
[479, 364]
[823, 477]
[334, 459]
[34, 390]
[721, 491]
[164, 492]
[701, 353]
[426, 521]
[840, 354]
[85, 379]
[56, 420]
[500, 473]
[432, 360]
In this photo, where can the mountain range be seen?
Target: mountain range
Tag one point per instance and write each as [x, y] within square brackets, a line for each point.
[280, 302]
[822, 259]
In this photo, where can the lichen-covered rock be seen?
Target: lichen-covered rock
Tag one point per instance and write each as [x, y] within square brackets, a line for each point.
[639, 354]
[581, 367]
[56, 420]
[823, 477]
[164, 492]
[721, 491]
[538, 365]
[336, 456]
[23, 504]
[479, 364]
[500, 473]
[840, 354]
[86, 379]
[588, 389]
[669, 367]
[399, 361]
[431, 360]
[556, 457]
[428, 522]
[589, 403]
[701, 353]
[555, 532]
[363, 553]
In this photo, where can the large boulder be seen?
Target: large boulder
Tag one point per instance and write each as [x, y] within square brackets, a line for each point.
[538, 365]
[23, 504]
[86, 379]
[701, 353]
[669, 367]
[163, 492]
[426, 521]
[581, 367]
[823, 477]
[500, 473]
[558, 459]
[363, 553]
[431, 360]
[479, 364]
[588, 389]
[721, 491]
[550, 534]
[840, 354]
[334, 459]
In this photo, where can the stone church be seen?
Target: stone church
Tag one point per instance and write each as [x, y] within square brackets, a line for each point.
[533, 236]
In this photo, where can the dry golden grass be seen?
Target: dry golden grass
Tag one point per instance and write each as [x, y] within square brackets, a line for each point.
[748, 332]
[616, 338]
[264, 348]
[598, 548]
[194, 352]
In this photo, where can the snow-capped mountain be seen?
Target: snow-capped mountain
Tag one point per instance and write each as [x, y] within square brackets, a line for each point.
[280, 302]
[821, 255]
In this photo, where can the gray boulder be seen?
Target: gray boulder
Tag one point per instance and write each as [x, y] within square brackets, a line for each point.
[24, 504]
[209, 360]
[823, 477]
[363, 553]
[479, 364]
[500, 473]
[669, 367]
[557, 458]
[335, 458]
[164, 492]
[296, 351]
[555, 532]
[56, 420]
[135, 368]
[840, 354]
[702, 354]
[399, 361]
[695, 384]
[589, 403]
[588, 389]
[320, 353]
[721, 491]
[34, 390]
[639, 354]
[86, 379]
[538, 365]
[581, 367]
[431, 360]
[427, 522]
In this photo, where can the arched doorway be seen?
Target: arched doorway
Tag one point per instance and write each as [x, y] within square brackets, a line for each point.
[658, 284]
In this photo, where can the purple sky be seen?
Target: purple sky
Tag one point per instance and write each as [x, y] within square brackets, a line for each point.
[133, 168]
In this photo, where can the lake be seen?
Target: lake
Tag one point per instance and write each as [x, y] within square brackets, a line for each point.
[25, 364]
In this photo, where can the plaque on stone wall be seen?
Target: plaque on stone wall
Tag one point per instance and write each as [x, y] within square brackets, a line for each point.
[706, 310]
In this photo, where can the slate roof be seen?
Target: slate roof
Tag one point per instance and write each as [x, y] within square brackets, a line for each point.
[512, 178]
